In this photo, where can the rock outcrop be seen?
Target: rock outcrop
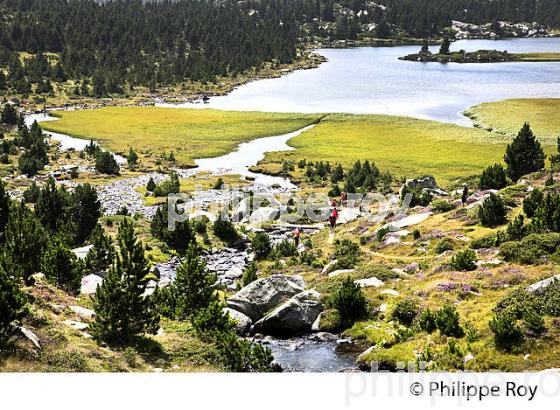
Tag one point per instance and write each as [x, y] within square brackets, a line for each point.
[295, 316]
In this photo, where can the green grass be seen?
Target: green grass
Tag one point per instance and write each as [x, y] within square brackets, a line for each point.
[508, 116]
[189, 133]
[539, 57]
[404, 146]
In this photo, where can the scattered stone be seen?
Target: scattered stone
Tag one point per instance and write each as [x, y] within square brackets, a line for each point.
[82, 252]
[328, 266]
[90, 283]
[390, 292]
[31, 336]
[38, 277]
[324, 337]
[468, 358]
[369, 282]
[543, 284]
[76, 325]
[83, 313]
[362, 356]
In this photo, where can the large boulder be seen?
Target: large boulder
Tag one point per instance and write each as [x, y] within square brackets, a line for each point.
[261, 296]
[543, 284]
[242, 322]
[295, 316]
[90, 283]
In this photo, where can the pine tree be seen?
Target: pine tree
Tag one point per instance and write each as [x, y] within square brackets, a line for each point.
[132, 158]
[86, 210]
[101, 255]
[61, 266]
[524, 155]
[445, 45]
[493, 177]
[194, 285]
[122, 309]
[51, 206]
[105, 163]
[25, 240]
[12, 299]
[151, 185]
[4, 209]
[9, 115]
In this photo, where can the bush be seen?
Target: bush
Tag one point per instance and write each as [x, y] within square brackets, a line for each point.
[169, 186]
[405, 311]
[105, 163]
[441, 205]
[418, 196]
[492, 212]
[516, 229]
[62, 267]
[464, 260]
[447, 321]
[284, 249]
[532, 202]
[534, 323]
[241, 355]
[427, 321]
[249, 275]
[416, 234]
[261, 245]
[349, 301]
[493, 177]
[225, 230]
[12, 300]
[507, 333]
[151, 185]
[532, 249]
[443, 245]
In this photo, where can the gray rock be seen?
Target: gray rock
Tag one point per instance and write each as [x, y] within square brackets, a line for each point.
[243, 322]
[264, 294]
[89, 284]
[264, 214]
[31, 336]
[76, 325]
[341, 272]
[83, 313]
[543, 284]
[297, 315]
[82, 252]
[372, 282]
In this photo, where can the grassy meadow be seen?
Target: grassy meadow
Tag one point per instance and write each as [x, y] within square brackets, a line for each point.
[188, 133]
[404, 146]
[507, 117]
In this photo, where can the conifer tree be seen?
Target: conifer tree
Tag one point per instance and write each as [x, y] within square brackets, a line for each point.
[4, 209]
[12, 299]
[524, 155]
[86, 210]
[123, 311]
[62, 267]
[101, 255]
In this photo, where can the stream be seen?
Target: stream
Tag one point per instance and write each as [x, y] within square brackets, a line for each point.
[301, 354]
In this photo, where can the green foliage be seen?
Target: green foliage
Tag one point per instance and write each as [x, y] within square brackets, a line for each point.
[416, 234]
[444, 48]
[193, 287]
[180, 238]
[405, 311]
[532, 249]
[35, 155]
[507, 333]
[101, 255]
[548, 213]
[151, 185]
[132, 158]
[532, 202]
[249, 275]
[441, 205]
[62, 267]
[516, 229]
[427, 321]
[225, 230]
[5, 202]
[284, 249]
[13, 303]
[447, 321]
[219, 183]
[105, 163]
[524, 155]
[464, 260]
[261, 245]
[31, 194]
[492, 212]
[349, 301]
[9, 115]
[493, 177]
[417, 195]
[211, 321]
[534, 323]
[444, 245]
[170, 186]
[122, 310]
[25, 240]
[241, 355]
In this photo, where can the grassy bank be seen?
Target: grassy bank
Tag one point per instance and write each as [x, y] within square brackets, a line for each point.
[405, 146]
[188, 133]
[505, 117]
[539, 57]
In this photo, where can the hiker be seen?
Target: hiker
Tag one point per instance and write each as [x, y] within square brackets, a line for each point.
[465, 194]
[297, 236]
[333, 218]
[343, 198]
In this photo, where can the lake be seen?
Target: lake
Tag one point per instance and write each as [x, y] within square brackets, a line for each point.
[373, 80]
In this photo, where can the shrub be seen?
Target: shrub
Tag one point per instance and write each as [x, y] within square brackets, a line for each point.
[532, 249]
[62, 267]
[447, 321]
[464, 260]
[507, 333]
[382, 232]
[151, 185]
[12, 300]
[493, 177]
[416, 234]
[284, 249]
[225, 230]
[210, 320]
[241, 355]
[105, 163]
[534, 323]
[249, 275]
[200, 225]
[549, 212]
[443, 245]
[261, 245]
[405, 311]
[532, 202]
[427, 321]
[492, 212]
[169, 186]
[516, 229]
[349, 301]
[441, 205]
[219, 183]
[418, 196]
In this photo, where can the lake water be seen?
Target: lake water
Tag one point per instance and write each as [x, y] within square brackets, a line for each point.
[373, 80]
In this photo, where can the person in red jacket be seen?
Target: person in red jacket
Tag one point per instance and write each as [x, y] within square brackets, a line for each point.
[333, 218]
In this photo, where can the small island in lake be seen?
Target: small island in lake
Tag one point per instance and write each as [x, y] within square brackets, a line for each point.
[480, 56]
